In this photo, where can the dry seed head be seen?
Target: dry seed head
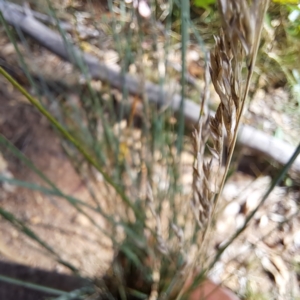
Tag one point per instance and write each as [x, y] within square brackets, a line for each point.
[235, 45]
[224, 81]
[238, 23]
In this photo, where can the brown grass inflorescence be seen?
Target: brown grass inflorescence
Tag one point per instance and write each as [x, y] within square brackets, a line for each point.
[231, 66]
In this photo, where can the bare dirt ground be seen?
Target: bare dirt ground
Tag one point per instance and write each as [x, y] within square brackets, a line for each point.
[55, 220]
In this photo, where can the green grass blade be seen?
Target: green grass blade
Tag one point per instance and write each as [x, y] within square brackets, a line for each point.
[20, 56]
[185, 21]
[275, 182]
[46, 191]
[32, 286]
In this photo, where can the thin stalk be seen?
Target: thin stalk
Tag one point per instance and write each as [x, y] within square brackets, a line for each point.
[185, 20]
[275, 182]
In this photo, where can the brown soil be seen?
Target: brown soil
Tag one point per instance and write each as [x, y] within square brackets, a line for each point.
[52, 218]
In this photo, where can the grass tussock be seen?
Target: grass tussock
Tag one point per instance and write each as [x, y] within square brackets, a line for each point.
[159, 235]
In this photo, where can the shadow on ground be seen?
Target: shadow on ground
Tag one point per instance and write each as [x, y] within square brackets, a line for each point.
[52, 280]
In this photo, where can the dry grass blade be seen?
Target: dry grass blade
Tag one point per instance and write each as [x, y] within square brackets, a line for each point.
[235, 51]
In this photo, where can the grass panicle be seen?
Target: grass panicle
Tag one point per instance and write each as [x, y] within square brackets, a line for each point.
[231, 66]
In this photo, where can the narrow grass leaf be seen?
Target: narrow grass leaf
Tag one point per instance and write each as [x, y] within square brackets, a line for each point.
[32, 286]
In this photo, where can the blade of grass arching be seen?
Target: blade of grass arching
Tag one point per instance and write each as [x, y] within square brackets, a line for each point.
[71, 139]
[185, 20]
[32, 286]
[27, 231]
[275, 182]
[46, 191]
